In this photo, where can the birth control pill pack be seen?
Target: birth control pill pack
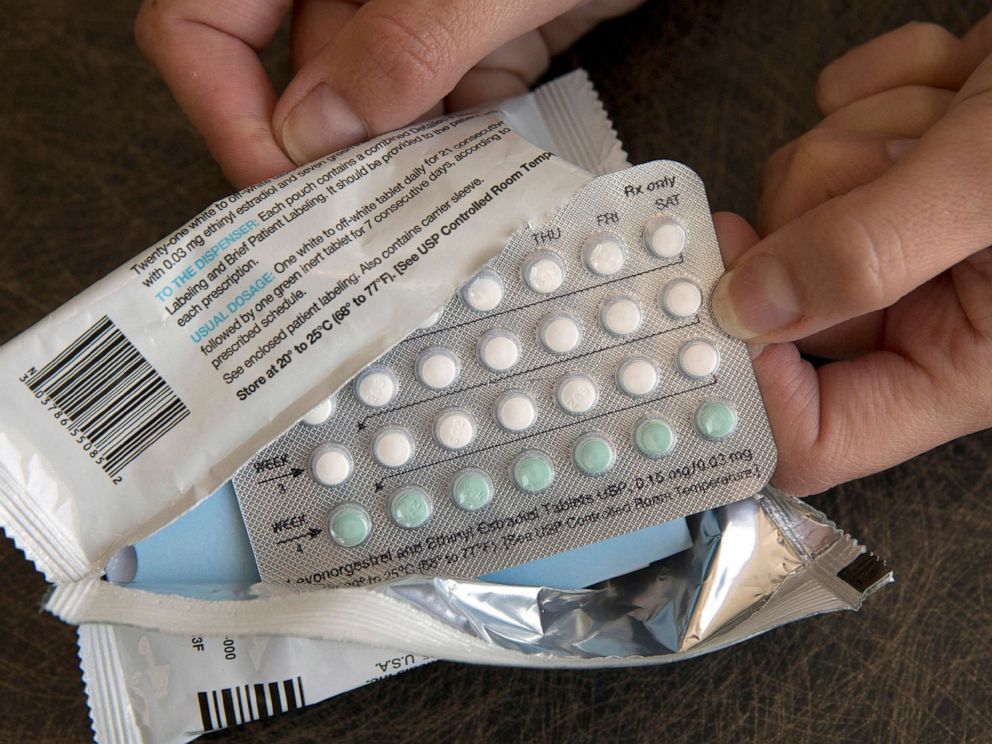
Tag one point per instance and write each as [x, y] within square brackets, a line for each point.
[577, 388]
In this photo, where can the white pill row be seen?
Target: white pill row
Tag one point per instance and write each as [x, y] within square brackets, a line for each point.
[499, 350]
[543, 271]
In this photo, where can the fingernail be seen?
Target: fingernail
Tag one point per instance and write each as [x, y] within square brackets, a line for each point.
[320, 124]
[896, 148]
[754, 350]
[756, 297]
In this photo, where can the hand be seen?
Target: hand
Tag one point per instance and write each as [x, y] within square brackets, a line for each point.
[878, 225]
[361, 68]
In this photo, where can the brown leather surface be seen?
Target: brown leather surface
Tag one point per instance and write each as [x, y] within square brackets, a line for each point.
[96, 163]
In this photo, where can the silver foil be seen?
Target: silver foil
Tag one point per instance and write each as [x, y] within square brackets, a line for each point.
[754, 564]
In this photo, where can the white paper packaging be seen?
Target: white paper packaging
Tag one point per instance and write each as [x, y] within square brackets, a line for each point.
[140, 396]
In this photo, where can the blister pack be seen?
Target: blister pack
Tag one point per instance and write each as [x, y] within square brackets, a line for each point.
[576, 389]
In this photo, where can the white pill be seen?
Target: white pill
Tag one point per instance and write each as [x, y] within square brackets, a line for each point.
[376, 386]
[484, 291]
[698, 358]
[543, 271]
[664, 237]
[576, 394]
[432, 319]
[392, 446]
[320, 412]
[604, 253]
[681, 298]
[499, 350]
[637, 376]
[515, 410]
[454, 428]
[559, 333]
[437, 367]
[331, 464]
[620, 315]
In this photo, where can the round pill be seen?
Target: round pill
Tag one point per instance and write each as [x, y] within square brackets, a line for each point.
[664, 237]
[471, 489]
[499, 350]
[376, 386]
[654, 437]
[559, 333]
[576, 393]
[716, 420]
[637, 376]
[604, 253]
[698, 358]
[320, 412]
[454, 428]
[432, 319]
[515, 410]
[392, 446]
[437, 367]
[594, 454]
[532, 471]
[483, 292]
[410, 507]
[331, 464]
[543, 271]
[620, 315]
[681, 298]
[349, 525]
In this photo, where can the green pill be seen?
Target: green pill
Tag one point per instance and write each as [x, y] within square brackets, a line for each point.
[410, 507]
[471, 489]
[716, 420]
[654, 437]
[349, 525]
[593, 454]
[532, 471]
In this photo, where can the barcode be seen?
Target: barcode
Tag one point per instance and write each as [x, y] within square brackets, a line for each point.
[111, 395]
[232, 706]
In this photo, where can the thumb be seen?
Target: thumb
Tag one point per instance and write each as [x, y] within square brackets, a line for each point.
[866, 249]
[390, 64]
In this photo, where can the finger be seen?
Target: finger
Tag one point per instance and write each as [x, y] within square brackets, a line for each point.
[914, 54]
[560, 33]
[506, 72]
[864, 250]
[820, 165]
[845, 420]
[513, 68]
[789, 389]
[906, 112]
[846, 340]
[852, 338]
[734, 234]
[315, 22]
[391, 63]
[208, 55]
[978, 41]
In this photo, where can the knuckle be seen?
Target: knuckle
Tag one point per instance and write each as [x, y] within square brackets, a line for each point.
[814, 151]
[151, 25]
[776, 165]
[409, 51]
[148, 25]
[930, 42]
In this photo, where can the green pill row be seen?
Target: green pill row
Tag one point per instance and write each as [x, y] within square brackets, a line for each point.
[532, 471]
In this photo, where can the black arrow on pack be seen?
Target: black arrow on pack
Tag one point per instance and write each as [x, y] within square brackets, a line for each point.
[311, 533]
[294, 473]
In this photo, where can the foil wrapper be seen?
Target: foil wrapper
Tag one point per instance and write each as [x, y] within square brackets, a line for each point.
[753, 565]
